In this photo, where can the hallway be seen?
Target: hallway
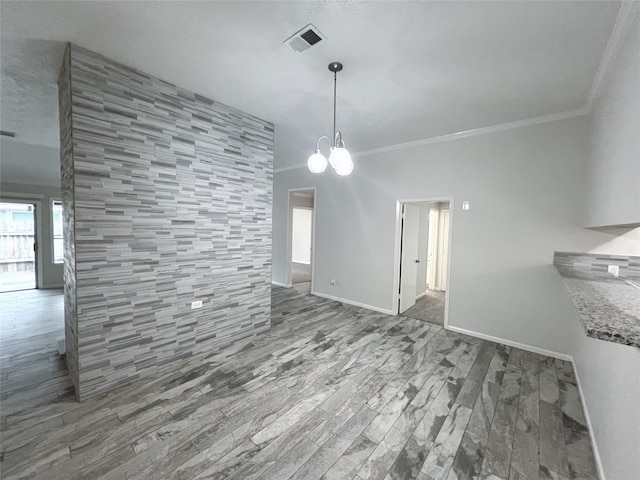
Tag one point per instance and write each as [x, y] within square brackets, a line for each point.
[429, 308]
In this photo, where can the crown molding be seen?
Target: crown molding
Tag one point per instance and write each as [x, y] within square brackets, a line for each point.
[478, 131]
[578, 112]
[286, 169]
[626, 15]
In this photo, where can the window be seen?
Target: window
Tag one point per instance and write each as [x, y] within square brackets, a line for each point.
[56, 230]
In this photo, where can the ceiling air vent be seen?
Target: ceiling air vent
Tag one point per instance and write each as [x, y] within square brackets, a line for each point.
[305, 38]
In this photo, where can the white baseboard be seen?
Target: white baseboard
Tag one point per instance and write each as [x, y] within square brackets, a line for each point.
[278, 284]
[596, 451]
[47, 287]
[522, 346]
[351, 302]
[420, 296]
[560, 356]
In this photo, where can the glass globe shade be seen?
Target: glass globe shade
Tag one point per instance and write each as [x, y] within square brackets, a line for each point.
[341, 161]
[317, 163]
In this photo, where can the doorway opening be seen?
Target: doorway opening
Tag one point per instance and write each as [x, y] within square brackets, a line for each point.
[422, 259]
[18, 246]
[300, 256]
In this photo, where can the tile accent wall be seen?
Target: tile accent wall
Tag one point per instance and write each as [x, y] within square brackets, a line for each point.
[595, 264]
[69, 271]
[172, 199]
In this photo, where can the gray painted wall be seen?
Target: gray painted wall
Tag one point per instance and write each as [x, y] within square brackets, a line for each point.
[526, 189]
[423, 242]
[27, 164]
[171, 201]
[50, 273]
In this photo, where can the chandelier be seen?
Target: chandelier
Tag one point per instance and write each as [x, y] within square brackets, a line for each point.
[339, 156]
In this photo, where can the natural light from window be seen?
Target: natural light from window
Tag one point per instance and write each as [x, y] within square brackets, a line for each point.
[56, 229]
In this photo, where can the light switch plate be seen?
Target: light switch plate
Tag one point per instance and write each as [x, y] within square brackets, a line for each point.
[613, 270]
[196, 304]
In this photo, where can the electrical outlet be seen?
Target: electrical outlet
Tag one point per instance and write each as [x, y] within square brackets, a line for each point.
[196, 304]
[613, 270]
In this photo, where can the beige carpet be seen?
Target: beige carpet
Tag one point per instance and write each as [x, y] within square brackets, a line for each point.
[429, 308]
[300, 272]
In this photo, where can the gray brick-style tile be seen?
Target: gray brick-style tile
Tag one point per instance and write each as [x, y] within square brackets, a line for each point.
[167, 199]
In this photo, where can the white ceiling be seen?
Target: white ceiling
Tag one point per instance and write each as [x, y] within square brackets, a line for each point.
[412, 70]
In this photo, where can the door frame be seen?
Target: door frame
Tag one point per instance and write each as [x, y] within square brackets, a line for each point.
[8, 197]
[289, 279]
[398, 242]
[408, 240]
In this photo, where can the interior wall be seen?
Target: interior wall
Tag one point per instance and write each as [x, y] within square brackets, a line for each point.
[172, 203]
[526, 192]
[614, 168]
[610, 384]
[608, 371]
[525, 188]
[301, 201]
[423, 238]
[51, 273]
[301, 235]
[26, 164]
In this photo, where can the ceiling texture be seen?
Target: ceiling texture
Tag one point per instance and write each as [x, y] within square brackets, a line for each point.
[412, 70]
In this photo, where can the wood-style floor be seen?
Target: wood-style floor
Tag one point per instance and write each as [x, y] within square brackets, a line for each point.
[429, 308]
[331, 392]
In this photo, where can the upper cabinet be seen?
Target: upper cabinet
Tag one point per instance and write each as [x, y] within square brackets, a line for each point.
[613, 176]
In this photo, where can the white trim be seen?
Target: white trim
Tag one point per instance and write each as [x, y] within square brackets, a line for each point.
[511, 343]
[577, 112]
[625, 18]
[478, 131]
[396, 251]
[351, 302]
[36, 200]
[561, 356]
[54, 286]
[289, 275]
[596, 451]
[418, 297]
[280, 284]
[51, 237]
[284, 169]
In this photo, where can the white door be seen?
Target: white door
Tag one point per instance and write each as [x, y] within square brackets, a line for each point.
[301, 228]
[409, 257]
[432, 247]
[443, 250]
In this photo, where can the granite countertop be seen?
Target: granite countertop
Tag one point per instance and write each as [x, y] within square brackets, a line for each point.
[609, 308]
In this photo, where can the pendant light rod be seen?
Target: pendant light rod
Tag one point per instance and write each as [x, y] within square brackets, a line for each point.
[339, 158]
[335, 82]
[334, 67]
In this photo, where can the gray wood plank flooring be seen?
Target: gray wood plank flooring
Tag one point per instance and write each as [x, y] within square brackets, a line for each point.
[331, 392]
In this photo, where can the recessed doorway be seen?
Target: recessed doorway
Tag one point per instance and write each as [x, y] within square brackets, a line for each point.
[301, 238]
[18, 266]
[422, 259]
